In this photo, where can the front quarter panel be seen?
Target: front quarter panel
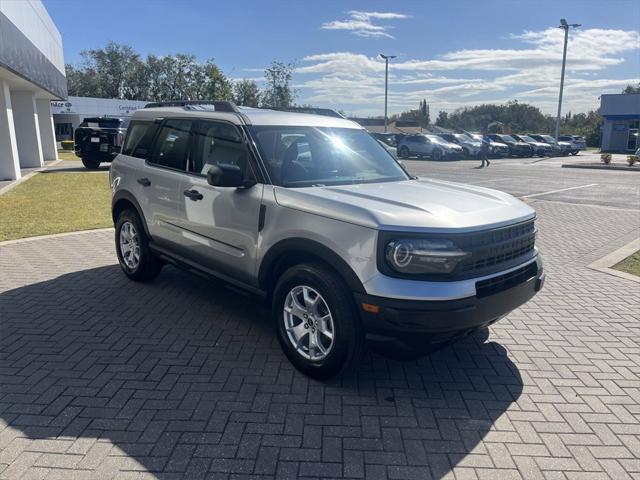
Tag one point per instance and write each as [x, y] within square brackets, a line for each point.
[354, 244]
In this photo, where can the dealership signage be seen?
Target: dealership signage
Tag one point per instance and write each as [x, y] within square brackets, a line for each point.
[95, 106]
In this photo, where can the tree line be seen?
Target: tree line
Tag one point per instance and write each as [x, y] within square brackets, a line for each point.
[118, 71]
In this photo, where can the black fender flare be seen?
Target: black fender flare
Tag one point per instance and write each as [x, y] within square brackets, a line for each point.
[124, 195]
[304, 247]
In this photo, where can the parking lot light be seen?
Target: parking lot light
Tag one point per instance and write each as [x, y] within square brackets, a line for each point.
[565, 26]
[386, 85]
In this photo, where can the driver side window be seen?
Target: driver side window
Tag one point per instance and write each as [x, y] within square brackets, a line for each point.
[218, 143]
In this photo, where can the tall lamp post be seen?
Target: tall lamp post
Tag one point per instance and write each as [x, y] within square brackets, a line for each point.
[386, 85]
[565, 26]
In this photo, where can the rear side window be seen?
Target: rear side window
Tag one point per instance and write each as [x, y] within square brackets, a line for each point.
[172, 145]
[139, 138]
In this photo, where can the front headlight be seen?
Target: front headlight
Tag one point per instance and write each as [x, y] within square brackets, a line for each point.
[416, 256]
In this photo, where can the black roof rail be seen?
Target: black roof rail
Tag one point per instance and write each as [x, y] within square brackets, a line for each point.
[219, 106]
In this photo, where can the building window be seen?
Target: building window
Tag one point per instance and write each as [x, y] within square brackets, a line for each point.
[64, 131]
[632, 142]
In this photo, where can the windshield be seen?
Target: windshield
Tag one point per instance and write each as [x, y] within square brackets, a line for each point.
[526, 138]
[105, 122]
[549, 138]
[507, 138]
[462, 137]
[436, 139]
[317, 156]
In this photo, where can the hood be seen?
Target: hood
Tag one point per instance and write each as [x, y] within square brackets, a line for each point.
[412, 205]
[564, 144]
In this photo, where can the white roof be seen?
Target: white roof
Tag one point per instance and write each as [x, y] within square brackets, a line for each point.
[255, 116]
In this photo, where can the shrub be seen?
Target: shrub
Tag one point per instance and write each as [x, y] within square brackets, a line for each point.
[67, 144]
[631, 159]
[606, 158]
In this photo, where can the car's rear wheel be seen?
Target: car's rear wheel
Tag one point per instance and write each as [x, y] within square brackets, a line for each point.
[403, 152]
[437, 154]
[92, 163]
[316, 323]
[136, 259]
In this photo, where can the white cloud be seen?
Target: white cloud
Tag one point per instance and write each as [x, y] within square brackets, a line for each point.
[530, 73]
[361, 23]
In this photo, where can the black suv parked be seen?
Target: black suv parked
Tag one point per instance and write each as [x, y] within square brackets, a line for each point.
[99, 139]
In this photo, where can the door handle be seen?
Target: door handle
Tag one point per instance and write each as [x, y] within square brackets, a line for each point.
[145, 182]
[193, 195]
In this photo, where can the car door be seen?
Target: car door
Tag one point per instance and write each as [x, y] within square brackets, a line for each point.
[162, 179]
[220, 224]
[420, 145]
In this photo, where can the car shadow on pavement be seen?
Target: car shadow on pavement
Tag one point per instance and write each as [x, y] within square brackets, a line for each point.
[184, 378]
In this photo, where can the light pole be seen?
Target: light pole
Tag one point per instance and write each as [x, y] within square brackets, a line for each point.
[386, 85]
[565, 26]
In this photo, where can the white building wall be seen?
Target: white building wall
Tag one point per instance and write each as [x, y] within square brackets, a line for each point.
[47, 132]
[9, 163]
[32, 19]
[25, 118]
[75, 109]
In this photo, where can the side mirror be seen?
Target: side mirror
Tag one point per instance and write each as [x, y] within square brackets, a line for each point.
[227, 175]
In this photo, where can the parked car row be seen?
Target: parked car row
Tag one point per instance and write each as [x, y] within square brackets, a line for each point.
[464, 145]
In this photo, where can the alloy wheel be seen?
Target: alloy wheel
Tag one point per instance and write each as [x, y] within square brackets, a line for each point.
[308, 323]
[130, 245]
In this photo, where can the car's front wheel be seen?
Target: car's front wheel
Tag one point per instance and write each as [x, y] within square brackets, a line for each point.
[437, 154]
[136, 259]
[316, 323]
[403, 152]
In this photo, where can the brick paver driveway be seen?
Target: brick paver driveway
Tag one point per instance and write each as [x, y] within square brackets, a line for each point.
[104, 378]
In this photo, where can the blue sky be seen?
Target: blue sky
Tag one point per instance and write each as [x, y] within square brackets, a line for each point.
[453, 53]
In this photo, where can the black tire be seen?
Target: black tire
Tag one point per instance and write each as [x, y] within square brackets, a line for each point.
[436, 154]
[347, 345]
[92, 163]
[404, 152]
[149, 265]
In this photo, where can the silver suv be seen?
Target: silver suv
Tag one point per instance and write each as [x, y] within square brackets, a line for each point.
[313, 214]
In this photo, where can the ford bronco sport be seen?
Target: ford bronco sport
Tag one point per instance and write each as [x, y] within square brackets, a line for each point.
[312, 213]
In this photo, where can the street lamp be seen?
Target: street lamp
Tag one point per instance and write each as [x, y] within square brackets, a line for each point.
[565, 26]
[386, 85]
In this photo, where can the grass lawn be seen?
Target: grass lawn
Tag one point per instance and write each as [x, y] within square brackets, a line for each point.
[67, 155]
[56, 202]
[631, 264]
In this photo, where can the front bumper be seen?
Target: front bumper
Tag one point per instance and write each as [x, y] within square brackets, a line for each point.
[416, 323]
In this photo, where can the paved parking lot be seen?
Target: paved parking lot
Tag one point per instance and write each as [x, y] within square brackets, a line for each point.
[183, 378]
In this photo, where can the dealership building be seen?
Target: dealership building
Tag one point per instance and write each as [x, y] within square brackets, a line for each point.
[69, 113]
[32, 74]
[621, 114]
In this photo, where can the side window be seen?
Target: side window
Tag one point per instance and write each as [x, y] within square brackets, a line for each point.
[139, 138]
[218, 143]
[172, 145]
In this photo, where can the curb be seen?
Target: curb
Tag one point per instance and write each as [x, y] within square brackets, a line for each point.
[54, 235]
[601, 167]
[605, 263]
